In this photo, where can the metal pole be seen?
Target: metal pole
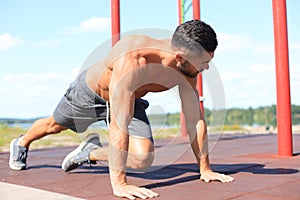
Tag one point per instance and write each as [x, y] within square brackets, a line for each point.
[196, 15]
[180, 11]
[184, 132]
[196, 9]
[115, 21]
[284, 122]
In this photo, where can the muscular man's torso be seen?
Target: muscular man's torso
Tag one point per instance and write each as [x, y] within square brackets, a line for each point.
[152, 55]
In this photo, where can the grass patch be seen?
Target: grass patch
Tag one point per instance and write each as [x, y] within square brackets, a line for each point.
[68, 137]
[65, 138]
[7, 134]
[227, 128]
[165, 133]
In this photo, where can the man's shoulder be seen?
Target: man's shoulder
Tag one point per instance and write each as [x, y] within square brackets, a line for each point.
[132, 45]
[137, 38]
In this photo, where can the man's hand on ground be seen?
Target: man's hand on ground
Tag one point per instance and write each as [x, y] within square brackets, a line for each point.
[131, 192]
[209, 175]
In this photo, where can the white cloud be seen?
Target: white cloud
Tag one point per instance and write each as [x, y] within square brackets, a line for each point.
[230, 76]
[251, 82]
[250, 92]
[31, 94]
[94, 24]
[250, 86]
[233, 42]
[48, 43]
[295, 46]
[75, 72]
[269, 49]
[262, 68]
[294, 70]
[8, 41]
[32, 78]
[264, 49]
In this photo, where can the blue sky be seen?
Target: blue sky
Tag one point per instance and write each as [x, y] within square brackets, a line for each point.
[43, 44]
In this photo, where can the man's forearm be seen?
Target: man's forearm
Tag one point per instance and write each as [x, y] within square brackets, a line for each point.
[201, 156]
[199, 144]
[117, 155]
[117, 177]
[200, 148]
[117, 167]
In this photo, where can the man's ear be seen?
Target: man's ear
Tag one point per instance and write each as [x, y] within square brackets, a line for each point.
[179, 57]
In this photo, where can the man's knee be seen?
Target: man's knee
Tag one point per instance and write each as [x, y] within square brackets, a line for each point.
[53, 127]
[142, 161]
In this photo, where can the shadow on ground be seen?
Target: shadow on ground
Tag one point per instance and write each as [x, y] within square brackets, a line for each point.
[173, 174]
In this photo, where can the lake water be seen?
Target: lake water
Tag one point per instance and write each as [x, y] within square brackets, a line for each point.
[20, 125]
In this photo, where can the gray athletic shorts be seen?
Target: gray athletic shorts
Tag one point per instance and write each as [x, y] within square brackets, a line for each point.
[80, 107]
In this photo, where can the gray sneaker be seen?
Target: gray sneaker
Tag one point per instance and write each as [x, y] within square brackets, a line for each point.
[80, 155]
[18, 156]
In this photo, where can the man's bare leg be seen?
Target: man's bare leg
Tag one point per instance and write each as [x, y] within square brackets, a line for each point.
[19, 146]
[140, 153]
[39, 129]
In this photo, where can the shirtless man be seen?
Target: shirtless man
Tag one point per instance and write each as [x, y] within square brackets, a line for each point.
[135, 66]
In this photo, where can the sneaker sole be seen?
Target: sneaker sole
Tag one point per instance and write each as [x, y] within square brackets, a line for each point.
[11, 165]
[78, 149]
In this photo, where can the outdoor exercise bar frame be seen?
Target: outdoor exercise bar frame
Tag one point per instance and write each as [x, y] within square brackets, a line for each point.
[284, 122]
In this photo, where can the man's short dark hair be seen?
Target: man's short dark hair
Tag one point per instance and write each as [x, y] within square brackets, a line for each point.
[195, 35]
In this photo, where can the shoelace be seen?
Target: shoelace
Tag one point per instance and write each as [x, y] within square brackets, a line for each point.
[22, 155]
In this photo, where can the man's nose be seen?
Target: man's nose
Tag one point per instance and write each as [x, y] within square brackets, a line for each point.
[206, 66]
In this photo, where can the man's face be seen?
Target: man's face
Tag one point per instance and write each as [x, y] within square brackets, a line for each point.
[192, 67]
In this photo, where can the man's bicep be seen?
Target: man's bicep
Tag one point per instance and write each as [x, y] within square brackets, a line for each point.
[121, 97]
[121, 108]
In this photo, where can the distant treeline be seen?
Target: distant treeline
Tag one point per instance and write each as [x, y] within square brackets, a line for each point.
[265, 116]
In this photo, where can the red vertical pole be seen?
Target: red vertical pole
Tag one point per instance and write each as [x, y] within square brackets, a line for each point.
[196, 15]
[115, 21]
[284, 122]
[180, 11]
[184, 132]
[196, 9]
